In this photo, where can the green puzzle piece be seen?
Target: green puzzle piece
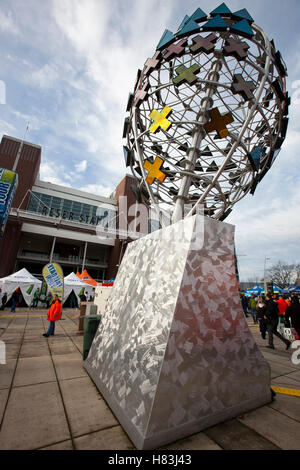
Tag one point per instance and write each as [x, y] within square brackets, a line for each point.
[186, 74]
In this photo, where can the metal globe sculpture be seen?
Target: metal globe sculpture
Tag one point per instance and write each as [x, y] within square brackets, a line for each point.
[208, 114]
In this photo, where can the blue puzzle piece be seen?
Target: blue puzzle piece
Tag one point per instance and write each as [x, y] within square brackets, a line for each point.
[184, 21]
[198, 15]
[243, 28]
[166, 39]
[255, 156]
[243, 15]
[127, 156]
[215, 24]
[190, 28]
[222, 10]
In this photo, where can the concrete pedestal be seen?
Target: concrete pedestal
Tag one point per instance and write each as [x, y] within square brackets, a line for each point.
[102, 293]
[173, 354]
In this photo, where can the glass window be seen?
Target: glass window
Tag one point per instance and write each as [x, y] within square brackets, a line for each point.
[66, 204]
[53, 206]
[33, 204]
[86, 208]
[56, 202]
[47, 200]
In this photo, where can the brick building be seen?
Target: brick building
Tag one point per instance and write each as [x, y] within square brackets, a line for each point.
[49, 222]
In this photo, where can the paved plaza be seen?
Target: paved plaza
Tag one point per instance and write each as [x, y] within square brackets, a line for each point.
[48, 401]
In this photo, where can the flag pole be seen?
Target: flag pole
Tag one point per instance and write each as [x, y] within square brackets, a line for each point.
[20, 150]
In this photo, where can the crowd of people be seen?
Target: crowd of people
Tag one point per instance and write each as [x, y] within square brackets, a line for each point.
[266, 310]
[53, 304]
[269, 311]
[16, 299]
[45, 300]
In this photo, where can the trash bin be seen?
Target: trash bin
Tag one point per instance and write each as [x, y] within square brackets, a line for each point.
[86, 308]
[91, 323]
[91, 309]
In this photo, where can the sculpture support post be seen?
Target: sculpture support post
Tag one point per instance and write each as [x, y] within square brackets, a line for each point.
[199, 133]
[173, 354]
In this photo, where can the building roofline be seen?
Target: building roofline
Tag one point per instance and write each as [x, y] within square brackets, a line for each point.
[68, 190]
[20, 140]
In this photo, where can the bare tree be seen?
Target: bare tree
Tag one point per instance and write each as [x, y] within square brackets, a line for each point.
[283, 274]
[297, 271]
[254, 280]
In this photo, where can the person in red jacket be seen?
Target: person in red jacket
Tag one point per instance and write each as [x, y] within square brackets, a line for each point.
[282, 306]
[53, 314]
[293, 313]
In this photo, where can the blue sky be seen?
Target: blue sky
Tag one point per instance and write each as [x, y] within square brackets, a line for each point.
[68, 66]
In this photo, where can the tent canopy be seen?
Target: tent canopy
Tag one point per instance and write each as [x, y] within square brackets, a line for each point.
[73, 283]
[72, 279]
[254, 290]
[22, 279]
[85, 277]
[21, 276]
[276, 289]
[260, 290]
[294, 289]
[291, 289]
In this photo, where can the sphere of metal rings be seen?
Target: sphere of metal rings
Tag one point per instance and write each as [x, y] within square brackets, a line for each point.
[227, 120]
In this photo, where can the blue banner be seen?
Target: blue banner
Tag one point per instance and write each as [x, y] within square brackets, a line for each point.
[8, 186]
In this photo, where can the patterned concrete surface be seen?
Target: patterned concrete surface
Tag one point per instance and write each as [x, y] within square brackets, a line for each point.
[48, 401]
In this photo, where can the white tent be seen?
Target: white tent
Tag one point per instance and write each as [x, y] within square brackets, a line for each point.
[22, 279]
[73, 283]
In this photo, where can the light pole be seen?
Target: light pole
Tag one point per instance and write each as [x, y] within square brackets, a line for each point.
[20, 150]
[237, 261]
[265, 282]
[237, 269]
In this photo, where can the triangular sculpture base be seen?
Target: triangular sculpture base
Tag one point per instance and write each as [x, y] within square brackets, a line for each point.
[173, 353]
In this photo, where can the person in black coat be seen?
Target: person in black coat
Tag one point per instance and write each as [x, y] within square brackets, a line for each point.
[15, 299]
[261, 309]
[293, 313]
[4, 300]
[271, 318]
[244, 304]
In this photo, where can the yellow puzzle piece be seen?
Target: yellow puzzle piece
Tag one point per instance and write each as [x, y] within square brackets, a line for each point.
[154, 170]
[160, 119]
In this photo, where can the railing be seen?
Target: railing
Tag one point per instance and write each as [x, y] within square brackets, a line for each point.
[69, 260]
[32, 254]
[107, 235]
[37, 218]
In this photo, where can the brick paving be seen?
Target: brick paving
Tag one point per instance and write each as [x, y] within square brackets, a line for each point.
[48, 401]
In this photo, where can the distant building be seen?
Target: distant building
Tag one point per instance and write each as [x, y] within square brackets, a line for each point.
[49, 222]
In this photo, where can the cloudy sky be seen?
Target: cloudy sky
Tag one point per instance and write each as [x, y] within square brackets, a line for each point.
[67, 67]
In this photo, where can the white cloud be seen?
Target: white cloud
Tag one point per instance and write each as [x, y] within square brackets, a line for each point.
[110, 43]
[46, 76]
[7, 23]
[53, 174]
[81, 167]
[98, 189]
[267, 225]
[7, 128]
[34, 122]
[84, 22]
